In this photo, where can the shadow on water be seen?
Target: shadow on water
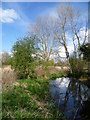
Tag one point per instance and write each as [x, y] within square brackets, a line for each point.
[71, 97]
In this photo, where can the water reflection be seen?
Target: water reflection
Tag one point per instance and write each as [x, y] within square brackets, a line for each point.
[71, 97]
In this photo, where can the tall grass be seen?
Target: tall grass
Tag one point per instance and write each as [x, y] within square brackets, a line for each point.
[8, 76]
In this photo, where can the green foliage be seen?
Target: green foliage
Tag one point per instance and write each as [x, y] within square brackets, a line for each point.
[51, 62]
[54, 76]
[76, 66]
[46, 64]
[29, 100]
[23, 60]
[85, 49]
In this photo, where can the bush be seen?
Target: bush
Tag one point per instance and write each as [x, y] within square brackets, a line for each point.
[51, 62]
[54, 76]
[23, 60]
[5, 58]
[76, 66]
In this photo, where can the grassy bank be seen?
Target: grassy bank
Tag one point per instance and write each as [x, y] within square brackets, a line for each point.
[29, 99]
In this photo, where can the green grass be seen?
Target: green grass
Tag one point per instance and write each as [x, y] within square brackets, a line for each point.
[54, 76]
[29, 99]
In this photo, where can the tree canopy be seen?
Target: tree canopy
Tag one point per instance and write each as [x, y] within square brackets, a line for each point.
[85, 49]
[24, 51]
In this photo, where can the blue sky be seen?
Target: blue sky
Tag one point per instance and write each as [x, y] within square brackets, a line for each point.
[17, 26]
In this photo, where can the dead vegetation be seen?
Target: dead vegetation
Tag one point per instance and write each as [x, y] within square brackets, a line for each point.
[42, 71]
[8, 76]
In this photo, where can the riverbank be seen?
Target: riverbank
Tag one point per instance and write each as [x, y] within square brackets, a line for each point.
[29, 98]
[9, 76]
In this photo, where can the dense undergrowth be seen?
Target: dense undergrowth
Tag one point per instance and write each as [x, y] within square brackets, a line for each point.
[30, 98]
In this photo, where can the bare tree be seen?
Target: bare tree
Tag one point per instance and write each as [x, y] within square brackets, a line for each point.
[76, 22]
[43, 29]
[49, 31]
[69, 21]
[5, 58]
[62, 24]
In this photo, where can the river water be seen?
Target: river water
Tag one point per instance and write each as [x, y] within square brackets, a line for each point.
[71, 97]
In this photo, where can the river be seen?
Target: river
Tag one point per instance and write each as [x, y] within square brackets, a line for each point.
[71, 97]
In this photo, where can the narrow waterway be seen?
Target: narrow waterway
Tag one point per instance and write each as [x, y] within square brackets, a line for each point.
[71, 97]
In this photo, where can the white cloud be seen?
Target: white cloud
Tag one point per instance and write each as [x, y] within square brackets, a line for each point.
[62, 50]
[82, 35]
[70, 47]
[8, 15]
[61, 53]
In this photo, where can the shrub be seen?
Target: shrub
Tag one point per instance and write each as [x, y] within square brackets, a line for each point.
[23, 60]
[76, 66]
[5, 58]
[51, 62]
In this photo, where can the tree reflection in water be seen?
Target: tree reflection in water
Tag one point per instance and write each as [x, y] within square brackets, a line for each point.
[70, 96]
